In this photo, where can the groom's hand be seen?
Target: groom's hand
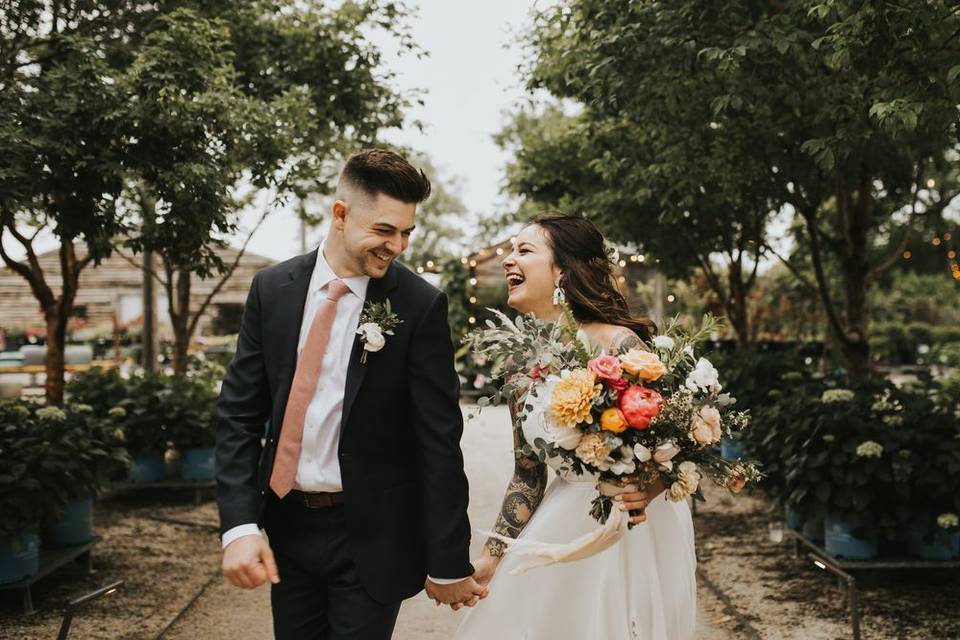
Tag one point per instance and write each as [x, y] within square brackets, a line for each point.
[248, 562]
[466, 592]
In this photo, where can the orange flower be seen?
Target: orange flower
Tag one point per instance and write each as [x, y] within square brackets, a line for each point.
[643, 364]
[573, 396]
[612, 420]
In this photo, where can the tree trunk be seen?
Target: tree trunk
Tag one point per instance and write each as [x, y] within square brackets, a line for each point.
[855, 350]
[149, 338]
[180, 319]
[56, 341]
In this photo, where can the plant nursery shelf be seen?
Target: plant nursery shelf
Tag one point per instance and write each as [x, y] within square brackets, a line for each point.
[198, 486]
[50, 561]
[842, 568]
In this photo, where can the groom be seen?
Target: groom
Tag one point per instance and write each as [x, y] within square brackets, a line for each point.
[358, 479]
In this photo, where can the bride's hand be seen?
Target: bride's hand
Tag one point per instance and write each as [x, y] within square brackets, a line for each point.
[636, 501]
[484, 568]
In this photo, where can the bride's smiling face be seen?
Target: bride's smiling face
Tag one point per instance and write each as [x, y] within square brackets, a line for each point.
[531, 273]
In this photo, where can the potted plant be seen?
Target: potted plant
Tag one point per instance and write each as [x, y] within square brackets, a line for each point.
[934, 453]
[85, 452]
[24, 499]
[146, 426]
[190, 410]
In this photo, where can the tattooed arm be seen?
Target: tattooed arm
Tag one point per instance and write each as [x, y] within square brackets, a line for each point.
[522, 498]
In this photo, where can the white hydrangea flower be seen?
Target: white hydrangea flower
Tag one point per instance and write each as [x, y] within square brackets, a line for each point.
[836, 395]
[870, 449]
[948, 521]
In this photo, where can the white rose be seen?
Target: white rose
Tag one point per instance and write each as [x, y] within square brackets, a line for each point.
[663, 342]
[564, 437]
[703, 377]
[373, 338]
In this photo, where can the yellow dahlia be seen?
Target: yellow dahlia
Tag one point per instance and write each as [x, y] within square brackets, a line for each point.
[573, 396]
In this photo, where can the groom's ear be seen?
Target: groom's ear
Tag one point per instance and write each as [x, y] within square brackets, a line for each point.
[340, 209]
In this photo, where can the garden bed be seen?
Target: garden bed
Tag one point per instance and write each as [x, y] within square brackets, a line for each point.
[777, 595]
[165, 551]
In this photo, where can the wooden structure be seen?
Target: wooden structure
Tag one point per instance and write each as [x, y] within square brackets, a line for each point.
[115, 287]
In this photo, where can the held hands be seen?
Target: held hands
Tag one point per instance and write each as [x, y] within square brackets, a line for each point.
[468, 592]
[248, 562]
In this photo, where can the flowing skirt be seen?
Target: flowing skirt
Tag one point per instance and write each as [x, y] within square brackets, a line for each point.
[642, 588]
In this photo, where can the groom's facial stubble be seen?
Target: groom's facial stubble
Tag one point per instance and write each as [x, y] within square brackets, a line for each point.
[367, 232]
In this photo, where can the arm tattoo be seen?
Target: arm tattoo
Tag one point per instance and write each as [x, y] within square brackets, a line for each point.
[628, 341]
[524, 492]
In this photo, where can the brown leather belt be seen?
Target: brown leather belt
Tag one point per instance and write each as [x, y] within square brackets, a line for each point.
[317, 499]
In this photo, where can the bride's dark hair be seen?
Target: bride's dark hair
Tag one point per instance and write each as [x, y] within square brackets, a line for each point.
[587, 280]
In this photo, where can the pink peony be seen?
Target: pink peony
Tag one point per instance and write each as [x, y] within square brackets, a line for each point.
[606, 367]
[640, 405]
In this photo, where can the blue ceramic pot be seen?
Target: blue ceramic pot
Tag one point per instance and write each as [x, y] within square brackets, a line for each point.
[937, 547]
[19, 557]
[841, 543]
[148, 467]
[197, 464]
[74, 527]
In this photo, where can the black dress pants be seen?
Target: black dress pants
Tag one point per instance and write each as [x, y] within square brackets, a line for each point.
[320, 596]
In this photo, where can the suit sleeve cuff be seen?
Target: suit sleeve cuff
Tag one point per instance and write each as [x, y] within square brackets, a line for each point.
[239, 531]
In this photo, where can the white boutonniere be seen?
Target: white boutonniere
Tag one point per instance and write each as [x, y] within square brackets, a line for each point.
[376, 322]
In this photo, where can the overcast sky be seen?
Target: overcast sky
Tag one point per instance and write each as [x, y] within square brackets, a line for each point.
[471, 81]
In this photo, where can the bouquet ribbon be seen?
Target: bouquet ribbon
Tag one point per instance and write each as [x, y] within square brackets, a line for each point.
[533, 553]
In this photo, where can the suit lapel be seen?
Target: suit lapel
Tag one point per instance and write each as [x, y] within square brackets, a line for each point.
[295, 291]
[377, 291]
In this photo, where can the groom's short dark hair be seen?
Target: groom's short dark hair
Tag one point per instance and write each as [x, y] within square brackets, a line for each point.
[376, 171]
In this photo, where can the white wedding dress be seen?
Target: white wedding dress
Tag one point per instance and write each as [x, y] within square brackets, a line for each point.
[641, 588]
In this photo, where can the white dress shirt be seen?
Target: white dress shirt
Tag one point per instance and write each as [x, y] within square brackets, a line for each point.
[319, 466]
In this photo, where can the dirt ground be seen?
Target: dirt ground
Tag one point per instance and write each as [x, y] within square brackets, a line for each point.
[165, 549]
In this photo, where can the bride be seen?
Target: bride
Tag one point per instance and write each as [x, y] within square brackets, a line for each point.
[643, 587]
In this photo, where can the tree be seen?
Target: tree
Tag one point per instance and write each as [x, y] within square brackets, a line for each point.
[842, 107]
[174, 105]
[677, 206]
[60, 121]
[265, 93]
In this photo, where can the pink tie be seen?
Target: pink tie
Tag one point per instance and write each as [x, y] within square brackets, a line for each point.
[302, 389]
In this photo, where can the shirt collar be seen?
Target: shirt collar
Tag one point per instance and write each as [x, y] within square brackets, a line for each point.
[323, 275]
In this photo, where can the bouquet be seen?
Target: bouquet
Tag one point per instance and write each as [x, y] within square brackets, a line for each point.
[654, 412]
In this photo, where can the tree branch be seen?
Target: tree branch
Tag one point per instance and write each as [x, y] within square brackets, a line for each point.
[822, 286]
[226, 276]
[139, 265]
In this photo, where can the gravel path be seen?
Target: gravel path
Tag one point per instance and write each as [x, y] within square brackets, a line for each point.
[225, 613]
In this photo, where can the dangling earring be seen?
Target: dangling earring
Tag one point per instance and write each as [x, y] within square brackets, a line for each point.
[559, 297]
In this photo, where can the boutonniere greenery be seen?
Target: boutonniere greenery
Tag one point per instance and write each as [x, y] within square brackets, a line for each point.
[376, 322]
